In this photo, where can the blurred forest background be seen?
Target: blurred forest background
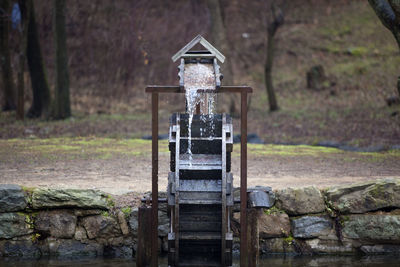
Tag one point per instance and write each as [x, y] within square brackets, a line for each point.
[116, 48]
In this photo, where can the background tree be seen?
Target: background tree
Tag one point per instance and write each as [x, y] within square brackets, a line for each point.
[277, 20]
[24, 6]
[40, 88]
[62, 108]
[5, 59]
[219, 40]
[388, 11]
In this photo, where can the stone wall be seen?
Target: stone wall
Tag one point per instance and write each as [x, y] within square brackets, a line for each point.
[72, 223]
[62, 223]
[349, 219]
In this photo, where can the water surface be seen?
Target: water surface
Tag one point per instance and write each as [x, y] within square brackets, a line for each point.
[271, 261]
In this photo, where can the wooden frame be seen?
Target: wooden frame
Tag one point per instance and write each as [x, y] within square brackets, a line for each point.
[155, 90]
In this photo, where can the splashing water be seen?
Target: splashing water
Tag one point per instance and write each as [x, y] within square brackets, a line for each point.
[198, 76]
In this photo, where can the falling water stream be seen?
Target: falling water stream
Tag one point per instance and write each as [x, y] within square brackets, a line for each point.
[198, 76]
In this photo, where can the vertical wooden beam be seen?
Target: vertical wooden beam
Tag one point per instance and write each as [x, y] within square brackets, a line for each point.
[223, 192]
[243, 181]
[154, 179]
[177, 189]
[253, 236]
[143, 254]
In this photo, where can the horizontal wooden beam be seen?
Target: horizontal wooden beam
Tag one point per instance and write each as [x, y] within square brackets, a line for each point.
[177, 89]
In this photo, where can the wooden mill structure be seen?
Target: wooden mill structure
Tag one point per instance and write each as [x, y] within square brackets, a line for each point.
[200, 182]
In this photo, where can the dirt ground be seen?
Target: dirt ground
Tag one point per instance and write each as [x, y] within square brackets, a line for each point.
[85, 163]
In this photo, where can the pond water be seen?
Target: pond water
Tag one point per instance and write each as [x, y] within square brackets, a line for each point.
[339, 261]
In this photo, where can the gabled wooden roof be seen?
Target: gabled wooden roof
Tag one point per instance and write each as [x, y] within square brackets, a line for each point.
[199, 39]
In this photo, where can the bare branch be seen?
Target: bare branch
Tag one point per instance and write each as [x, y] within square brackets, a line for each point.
[384, 12]
[278, 19]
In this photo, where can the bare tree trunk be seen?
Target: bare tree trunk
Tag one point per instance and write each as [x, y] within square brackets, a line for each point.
[218, 35]
[388, 11]
[5, 60]
[25, 8]
[40, 88]
[398, 85]
[277, 21]
[273, 104]
[397, 37]
[62, 107]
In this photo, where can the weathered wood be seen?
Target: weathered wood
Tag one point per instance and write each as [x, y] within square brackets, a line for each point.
[154, 179]
[176, 208]
[177, 89]
[202, 194]
[143, 253]
[253, 234]
[199, 39]
[260, 199]
[223, 200]
[243, 180]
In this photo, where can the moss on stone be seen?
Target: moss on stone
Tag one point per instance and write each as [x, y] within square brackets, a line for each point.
[105, 214]
[273, 210]
[127, 211]
[35, 237]
[110, 201]
[289, 240]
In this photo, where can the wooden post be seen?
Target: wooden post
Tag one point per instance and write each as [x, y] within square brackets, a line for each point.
[143, 253]
[253, 234]
[154, 179]
[243, 181]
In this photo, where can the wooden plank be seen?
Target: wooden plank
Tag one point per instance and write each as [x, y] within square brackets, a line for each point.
[196, 226]
[200, 162]
[201, 236]
[193, 217]
[154, 179]
[200, 185]
[253, 234]
[192, 195]
[143, 256]
[223, 195]
[243, 180]
[176, 220]
[177, 89]
[199, 39]
[199, 201]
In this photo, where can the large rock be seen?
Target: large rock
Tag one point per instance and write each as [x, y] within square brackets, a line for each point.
[80, 234]
[376, 227]
[274, 225]
[122, 223]
[330, 246]
[14, 225]
[381, 249]
[71, 198]
[300, 201]
[72, 249]
[19, 249]
[163, 224]
[12, 198]
[311, 226]
[316, 78]
[124, 252]
[133, 221]
[56, 223]
[277, 245]
[364, 197]
[99, 226]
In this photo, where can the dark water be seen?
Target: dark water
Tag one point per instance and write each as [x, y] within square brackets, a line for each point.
[339, 261]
